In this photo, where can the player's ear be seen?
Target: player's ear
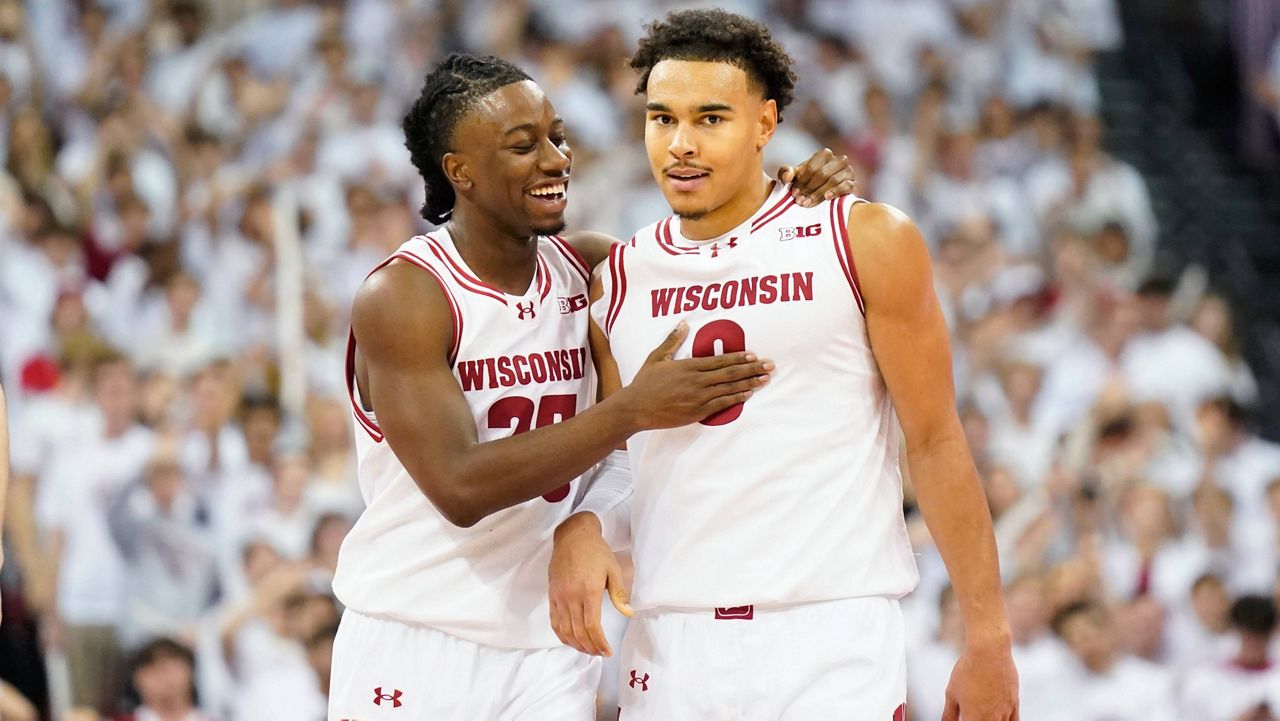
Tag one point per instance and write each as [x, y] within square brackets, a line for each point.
[768, 122]
[456, 170]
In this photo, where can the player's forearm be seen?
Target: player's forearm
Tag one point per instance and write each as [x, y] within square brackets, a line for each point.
[489, 477]
[951, 498]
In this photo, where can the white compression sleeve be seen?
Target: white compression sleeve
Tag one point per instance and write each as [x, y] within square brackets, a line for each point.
[608, 495]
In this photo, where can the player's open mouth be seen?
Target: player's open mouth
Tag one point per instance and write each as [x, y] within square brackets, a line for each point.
[686, 179]
[551, 196]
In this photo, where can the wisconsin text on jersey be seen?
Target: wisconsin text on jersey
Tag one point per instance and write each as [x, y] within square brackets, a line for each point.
[521, 370]
[758, 289]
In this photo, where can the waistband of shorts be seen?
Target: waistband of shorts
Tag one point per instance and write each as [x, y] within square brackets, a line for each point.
[750, 612]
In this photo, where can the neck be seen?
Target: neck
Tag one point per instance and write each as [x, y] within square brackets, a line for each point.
[741, 206]
[115, 426]
[175, 710]
[505, 261]
[1253, 652]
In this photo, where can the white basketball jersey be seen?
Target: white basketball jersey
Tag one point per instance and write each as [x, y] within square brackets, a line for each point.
[794, 496]
[522, 363]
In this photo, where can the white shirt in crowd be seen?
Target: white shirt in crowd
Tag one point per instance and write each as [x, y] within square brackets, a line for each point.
[75, 497]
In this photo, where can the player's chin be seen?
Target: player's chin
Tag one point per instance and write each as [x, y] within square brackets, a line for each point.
[547, 226]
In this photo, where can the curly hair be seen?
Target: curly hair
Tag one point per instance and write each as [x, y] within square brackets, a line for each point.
[450, 90]
[723, 37]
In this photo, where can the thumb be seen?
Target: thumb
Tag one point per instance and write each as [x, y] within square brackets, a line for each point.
[666, 350]
[786, 174]
[618, 592]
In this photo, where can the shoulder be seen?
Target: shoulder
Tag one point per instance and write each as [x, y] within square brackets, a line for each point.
[592, 246]
[880, 233]
[400, 300]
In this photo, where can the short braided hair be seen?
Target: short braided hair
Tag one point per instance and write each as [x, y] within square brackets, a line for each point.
[718, 36]
[450, 90]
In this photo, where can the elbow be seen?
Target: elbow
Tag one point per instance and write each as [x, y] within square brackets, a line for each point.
[461, 517]
[456, 508]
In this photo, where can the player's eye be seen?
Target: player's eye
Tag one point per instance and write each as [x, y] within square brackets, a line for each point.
[663, 119]
[523, 149]
[560, 141]
[713, 120]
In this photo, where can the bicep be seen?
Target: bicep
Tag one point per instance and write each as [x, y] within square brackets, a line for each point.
[403, 331]
[905, 325]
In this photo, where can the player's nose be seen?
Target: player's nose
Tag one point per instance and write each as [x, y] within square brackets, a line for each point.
[682, 145]
[554, 159]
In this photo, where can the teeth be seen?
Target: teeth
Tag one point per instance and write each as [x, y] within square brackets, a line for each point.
[557, 189]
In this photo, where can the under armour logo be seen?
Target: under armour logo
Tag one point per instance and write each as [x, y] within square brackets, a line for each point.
[393, 697]
[715, 247]
[642, 680]
[804, 231]
[526, 310]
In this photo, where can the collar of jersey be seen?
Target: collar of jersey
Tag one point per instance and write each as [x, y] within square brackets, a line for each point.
[441, 243]
[776, 204]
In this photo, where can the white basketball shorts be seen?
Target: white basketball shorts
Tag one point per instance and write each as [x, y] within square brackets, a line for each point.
[833, 660]
[389, 671]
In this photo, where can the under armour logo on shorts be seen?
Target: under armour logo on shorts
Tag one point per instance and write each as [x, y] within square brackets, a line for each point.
[526, 310]
[394, 697]
[637, 679]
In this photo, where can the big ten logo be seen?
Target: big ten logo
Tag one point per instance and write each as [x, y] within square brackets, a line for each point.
[573, 304]
[800, 231]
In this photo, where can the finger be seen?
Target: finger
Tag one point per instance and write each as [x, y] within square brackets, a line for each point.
[743, 386]
[841, 183]
[786, 174]
[806, 173]
[849, 186]
[716, 405]
[557, 624]
[618, 592]
[591, 614]
[581, 639]
[666, 350]
[817, 185]
[716, 362]
[728, 374]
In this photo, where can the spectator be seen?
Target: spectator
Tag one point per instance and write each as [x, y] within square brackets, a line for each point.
[1107, 683]
[1249, 682]
[163, 673]
[86, 568]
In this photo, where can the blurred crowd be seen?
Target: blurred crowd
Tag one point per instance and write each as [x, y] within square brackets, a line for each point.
[192, 192]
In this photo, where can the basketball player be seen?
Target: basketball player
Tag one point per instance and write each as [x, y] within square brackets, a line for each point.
[769, 541]
[469, 379]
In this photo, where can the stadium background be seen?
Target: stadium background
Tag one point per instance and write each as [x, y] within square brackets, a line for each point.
[192, 191]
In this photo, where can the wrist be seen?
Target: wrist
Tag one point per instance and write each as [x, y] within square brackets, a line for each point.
[623, 417]
[580, 522]
[992, 639]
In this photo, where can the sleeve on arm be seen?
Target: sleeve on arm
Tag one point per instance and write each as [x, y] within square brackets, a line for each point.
[608, 495]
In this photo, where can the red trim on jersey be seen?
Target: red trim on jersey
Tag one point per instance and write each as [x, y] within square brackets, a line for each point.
[465, 279]
[411, 257]
[666, 243]
[618, 271]
[366, 423]
[840, 231]
[900, 714]
[575, 258]
[773, 213]
[544, 279]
